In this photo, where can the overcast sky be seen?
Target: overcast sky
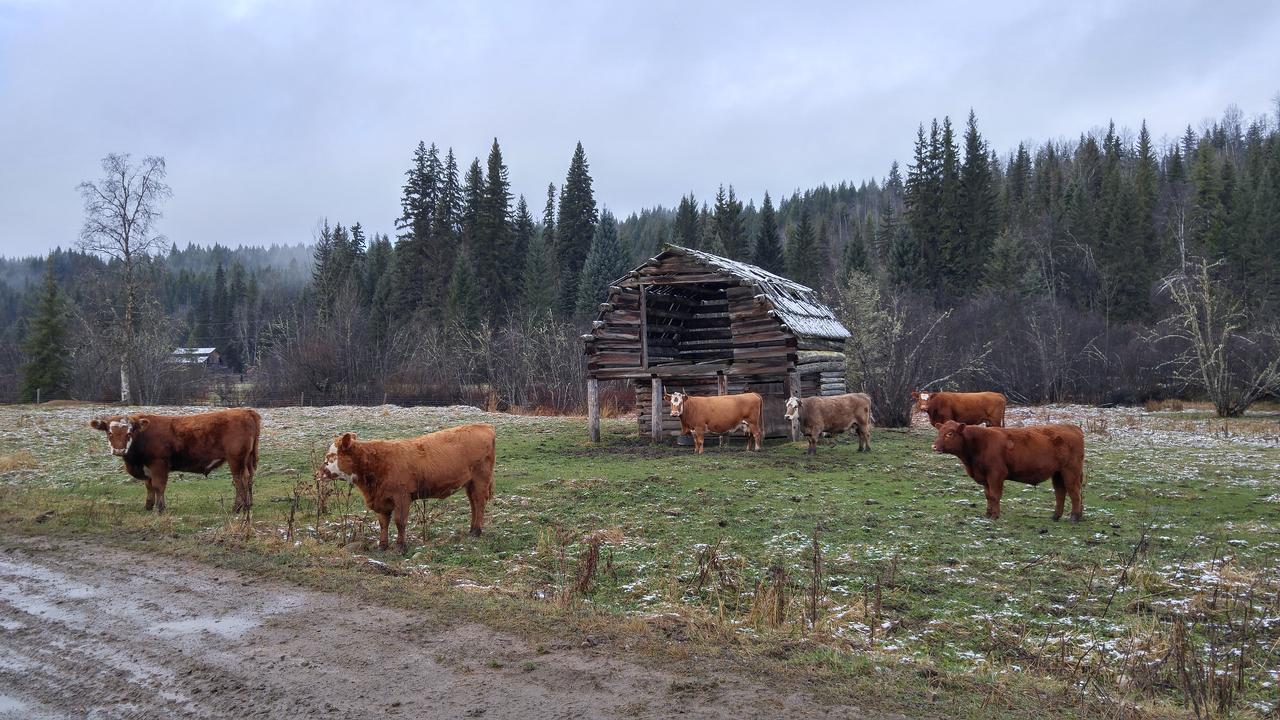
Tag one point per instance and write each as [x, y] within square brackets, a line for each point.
[273, 115]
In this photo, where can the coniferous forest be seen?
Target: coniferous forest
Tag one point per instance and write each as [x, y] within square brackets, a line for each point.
[1050, 272]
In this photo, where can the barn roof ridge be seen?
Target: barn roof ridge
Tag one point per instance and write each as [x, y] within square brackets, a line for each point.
[796, 306]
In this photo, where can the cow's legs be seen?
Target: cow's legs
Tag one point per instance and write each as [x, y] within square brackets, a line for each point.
[995, 488]
[402, 519]
[864, 438]
[1073, 483]
[757, 434]
[159, 472]
[1059, 495]
[813, 444]
[698, 434]
[151, 495]
[384, 520]
[477, 499]
[243, 500]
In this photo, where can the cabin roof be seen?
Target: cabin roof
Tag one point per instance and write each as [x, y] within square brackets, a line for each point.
[795, 305]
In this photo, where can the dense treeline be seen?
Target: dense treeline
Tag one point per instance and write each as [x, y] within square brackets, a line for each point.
[1042, 273]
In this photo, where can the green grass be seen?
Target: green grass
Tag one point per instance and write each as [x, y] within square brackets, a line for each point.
[1021, 615]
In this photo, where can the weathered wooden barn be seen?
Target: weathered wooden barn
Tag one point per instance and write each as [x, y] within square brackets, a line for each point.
[695, 322]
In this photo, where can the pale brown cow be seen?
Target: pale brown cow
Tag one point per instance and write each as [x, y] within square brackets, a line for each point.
[719, 414]
[1028, 454]
[152, 446]
[391, 474]
[832, 414]
[969, 408]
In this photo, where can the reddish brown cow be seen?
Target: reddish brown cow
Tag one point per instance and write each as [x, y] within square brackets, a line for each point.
[152, 446]
[719, 414]
[391, 474]
[833, 414]
[1029, 455]
[969, 408]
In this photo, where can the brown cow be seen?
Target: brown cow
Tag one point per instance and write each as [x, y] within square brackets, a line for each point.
[969, 408]
[152, 446]
[719, 414]
[833, 414]
[1029, 455]
[391, 474]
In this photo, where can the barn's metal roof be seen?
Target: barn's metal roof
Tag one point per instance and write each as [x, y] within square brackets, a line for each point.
[796, 305]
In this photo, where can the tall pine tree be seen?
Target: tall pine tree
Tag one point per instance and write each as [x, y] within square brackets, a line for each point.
[768, 250]
[46, 345]
[576, 226]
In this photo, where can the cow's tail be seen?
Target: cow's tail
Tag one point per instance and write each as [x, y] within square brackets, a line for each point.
[251, 463]
[487, 488]
[760, 422]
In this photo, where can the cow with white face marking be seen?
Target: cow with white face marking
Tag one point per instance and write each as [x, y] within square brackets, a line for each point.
[832, 414]
[152, 446]
[392, 474]
[719, 414]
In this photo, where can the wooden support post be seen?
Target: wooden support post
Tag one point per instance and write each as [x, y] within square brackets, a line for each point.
[722, 383]
[593, 409]
[793, 390]
[655, 409]
[644, 327]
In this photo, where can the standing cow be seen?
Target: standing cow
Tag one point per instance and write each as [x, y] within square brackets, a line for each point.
[1028, 455]
[833, 414]
[719, 414]
[969, 408]
[152, 446]
[391, 474]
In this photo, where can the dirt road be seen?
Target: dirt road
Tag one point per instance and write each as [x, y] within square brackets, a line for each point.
[95, 632]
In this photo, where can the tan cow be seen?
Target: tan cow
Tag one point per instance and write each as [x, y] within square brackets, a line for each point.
[719, 414]
[391, 474]
[152, 446]
[969, 408]
[832, 414]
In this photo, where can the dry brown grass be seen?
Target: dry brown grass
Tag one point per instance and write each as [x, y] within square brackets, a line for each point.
[21, 460]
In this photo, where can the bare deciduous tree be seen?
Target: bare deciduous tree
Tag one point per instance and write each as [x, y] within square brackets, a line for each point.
[1220, 348]
[120, 210]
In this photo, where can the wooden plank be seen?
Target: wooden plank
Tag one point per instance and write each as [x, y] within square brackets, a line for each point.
[644, 328]
[793, 390]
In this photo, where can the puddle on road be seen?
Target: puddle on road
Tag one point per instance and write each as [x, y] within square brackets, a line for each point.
[11, 706]
[228, 626]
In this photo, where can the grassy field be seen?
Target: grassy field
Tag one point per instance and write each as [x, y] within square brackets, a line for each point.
[872, 577]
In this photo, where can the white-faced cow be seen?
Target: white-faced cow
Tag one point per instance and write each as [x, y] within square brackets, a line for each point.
[832, 414]
[152, 446]
[719, 414]
[391, 474]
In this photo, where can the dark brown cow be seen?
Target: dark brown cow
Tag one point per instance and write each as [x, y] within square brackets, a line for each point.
[391, 474]
[833, 414]
[152, 446]
[969, 408]
[719, 414]
[1029, 455]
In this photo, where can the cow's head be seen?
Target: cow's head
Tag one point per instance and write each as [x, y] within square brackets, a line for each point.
[950, 438]
[677, 403]
[121, 431]
[793, 408]
[338, 462]
[922, 400]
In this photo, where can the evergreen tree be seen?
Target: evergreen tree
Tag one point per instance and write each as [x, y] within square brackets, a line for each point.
[577, 225]
[378, 287]
[950, 242]
[494, 251]
[1207, 216]
[464, 304]
[418, 272]
[46, 345]
[522, 233]
[855, 252]
[768, 250]
[538, 278]
[605, 263]
[729, 224]
[802, 252]
[978, 211]
[685, 230]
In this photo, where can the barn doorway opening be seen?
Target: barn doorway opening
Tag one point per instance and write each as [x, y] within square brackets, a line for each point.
[686, 324]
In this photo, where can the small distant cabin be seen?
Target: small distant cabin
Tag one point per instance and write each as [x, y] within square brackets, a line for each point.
[702, 324]
[196, 356]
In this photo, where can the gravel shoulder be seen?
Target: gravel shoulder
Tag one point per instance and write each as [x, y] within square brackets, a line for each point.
[90, 631]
